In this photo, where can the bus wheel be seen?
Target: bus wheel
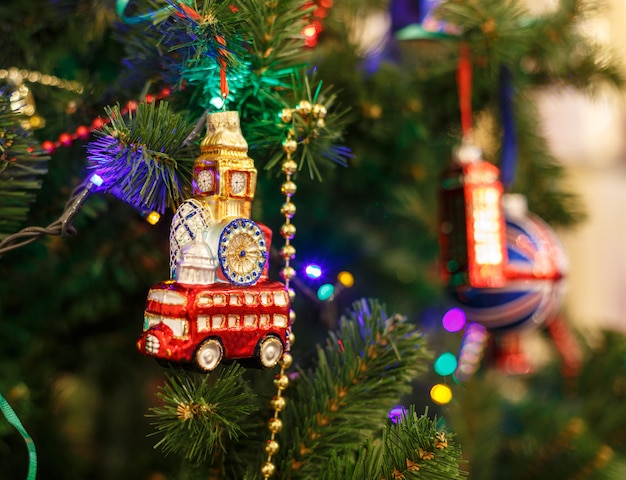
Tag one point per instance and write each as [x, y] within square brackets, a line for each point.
[270, 351]
[209, 355]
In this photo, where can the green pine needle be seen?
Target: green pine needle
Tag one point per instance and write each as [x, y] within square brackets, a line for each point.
[145, 157]
[415, 448]
[199, 413]
[22, 166]
[361, 374]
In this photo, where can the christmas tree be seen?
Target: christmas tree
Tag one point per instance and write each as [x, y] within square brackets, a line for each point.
[116, 115]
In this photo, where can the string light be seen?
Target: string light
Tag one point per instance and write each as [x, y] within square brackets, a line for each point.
[326, 292]
[441, 394]
[313, 271]
[397, 413]
[453, 320]
[445, 364]
[346, 279]
[83, 131]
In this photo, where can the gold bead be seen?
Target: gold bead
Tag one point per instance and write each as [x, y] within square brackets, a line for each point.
[289, 167]
[321, 123]
[288, 188]
[287, 360]
[281, 381]
[292, 338]
[288, 230]
[288, 209]
[287, 273]
[304, 107]
[278, 403]
[272, 447]
[275, 425]
[292, 316]
[288, 252]
[290, 145]
[286, 115]
[268, 469]
[291, 292]
[319, 110]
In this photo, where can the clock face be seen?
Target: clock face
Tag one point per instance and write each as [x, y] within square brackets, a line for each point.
[242, 252]
[238, 183]
[205, 181]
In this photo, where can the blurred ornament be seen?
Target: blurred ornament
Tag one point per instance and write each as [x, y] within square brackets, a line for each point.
[509, 355]
[534, 287]
[472, 233]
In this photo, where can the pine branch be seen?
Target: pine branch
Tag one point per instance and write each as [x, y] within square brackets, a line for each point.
[414, 448]
[361, 374]
[144, 159]
[22, 166]
[198, 416]
[309, 116]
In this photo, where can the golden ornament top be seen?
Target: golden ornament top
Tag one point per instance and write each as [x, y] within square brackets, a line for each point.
[224, 131]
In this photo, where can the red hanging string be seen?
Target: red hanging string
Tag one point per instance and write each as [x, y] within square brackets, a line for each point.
[464, 84]
[222, 61]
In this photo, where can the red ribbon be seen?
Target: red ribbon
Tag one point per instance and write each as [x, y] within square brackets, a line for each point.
[464, 84]
[222, 61]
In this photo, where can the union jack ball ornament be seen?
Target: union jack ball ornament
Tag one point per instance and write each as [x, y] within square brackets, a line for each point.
[535, 276]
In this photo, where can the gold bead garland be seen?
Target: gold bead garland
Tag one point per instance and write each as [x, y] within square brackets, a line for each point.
[287, 253]
[308, 112]
[16, 76]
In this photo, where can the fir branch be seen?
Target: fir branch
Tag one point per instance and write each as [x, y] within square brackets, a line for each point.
[22, 165]
[309, 116]
[197, 416]
[361, 374]
[414, 448]
[144, 159]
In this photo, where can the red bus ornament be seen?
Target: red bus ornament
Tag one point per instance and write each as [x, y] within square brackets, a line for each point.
[472, 237]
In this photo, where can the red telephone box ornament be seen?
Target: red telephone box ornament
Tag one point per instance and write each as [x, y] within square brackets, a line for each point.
[472, 229]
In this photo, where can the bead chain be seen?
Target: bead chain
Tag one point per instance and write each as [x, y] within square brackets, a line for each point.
[287, 253]
[17, 76]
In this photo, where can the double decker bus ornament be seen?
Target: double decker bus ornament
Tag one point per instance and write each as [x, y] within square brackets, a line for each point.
[472, 237]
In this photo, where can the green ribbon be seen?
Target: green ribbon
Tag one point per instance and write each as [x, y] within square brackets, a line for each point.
[10, 415]
[154, 16]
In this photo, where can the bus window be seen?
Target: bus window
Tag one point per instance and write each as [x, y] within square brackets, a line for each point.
[205, 300]
[265, 299]
[234, 321]
[235, 300]
[251, 299]
[250, 321]
[219, 299]
[179, 327]
[280, 321]
[218, 322]
[280, 299]
[203, 323]
[264, 320]
[167, 297]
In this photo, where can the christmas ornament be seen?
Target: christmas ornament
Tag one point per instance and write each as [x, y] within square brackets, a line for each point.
[471, 235]
[219, 303]
[534, 287]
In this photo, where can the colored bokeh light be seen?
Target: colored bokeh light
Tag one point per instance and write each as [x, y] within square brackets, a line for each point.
[313, 271]
[96, 179]
[445, 364]
[346, 279]
[153, 218]
[441, 394]
[453, 320]
[325, 291]
[396, 413]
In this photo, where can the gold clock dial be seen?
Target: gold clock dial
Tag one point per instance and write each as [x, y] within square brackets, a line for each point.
[238, 183]
[205, 181]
